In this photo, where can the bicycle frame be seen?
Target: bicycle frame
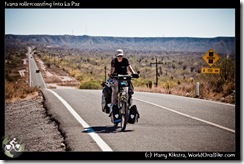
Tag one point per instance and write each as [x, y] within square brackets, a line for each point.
[123, 85]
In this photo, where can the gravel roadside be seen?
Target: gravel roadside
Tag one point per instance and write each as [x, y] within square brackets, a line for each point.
[28, 121]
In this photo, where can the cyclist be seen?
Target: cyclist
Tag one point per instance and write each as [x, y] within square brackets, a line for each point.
[119, 65]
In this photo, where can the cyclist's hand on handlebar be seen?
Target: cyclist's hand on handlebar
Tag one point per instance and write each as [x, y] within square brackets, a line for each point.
[111, 74]
[136, 75]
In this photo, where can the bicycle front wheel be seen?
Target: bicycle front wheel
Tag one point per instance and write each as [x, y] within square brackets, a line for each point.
[124, 116]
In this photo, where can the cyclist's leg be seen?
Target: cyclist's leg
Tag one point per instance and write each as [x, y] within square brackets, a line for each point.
[114, 95]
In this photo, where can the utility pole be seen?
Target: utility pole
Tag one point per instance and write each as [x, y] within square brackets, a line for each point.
[54, 61]
[156, 63]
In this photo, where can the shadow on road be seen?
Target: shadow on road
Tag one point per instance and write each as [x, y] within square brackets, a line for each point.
[104, 129]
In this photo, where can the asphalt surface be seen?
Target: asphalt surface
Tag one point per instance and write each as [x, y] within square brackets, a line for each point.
[35, 78]
[167, 123]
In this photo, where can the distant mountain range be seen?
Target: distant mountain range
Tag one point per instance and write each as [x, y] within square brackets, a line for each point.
[222, 45]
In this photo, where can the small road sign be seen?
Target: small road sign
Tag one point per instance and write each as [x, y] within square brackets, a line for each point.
[211, 70]
[210, 57]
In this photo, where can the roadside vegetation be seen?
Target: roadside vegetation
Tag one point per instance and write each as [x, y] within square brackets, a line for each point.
[16, 87]
[178, 72]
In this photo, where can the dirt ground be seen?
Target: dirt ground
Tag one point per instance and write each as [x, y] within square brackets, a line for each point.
[28, 121]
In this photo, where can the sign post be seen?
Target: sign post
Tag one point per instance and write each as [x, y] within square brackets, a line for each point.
[210, 58]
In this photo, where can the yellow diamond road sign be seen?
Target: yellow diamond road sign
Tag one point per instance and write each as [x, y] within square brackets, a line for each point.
[210, 57]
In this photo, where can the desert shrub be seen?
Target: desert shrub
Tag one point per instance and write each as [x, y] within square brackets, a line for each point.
[15, 91]
[228, 88]
[9, 90]
[90, 85]
[10, 78]
[141, 82]
[168, 83]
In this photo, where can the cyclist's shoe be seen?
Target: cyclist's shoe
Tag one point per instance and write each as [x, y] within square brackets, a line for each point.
[117, 121]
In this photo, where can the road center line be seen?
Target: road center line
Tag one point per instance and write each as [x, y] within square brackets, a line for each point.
[186, 115]
[92, 133]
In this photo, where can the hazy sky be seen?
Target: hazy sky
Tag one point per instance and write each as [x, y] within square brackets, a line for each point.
[122, 22]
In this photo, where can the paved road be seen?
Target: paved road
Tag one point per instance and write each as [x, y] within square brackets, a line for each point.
[167, 123]
[35, 79]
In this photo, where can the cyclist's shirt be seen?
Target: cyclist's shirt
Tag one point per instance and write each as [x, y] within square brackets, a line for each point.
[120, 67]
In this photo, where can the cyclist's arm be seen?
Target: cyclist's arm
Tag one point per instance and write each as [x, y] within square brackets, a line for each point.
[112, 71]
[131, 69]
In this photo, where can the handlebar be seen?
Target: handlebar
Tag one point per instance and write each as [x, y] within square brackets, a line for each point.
[119, 76]
[133, 75]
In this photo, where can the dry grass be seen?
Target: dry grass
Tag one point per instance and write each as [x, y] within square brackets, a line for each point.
[18, 90]
[16, 86]
[189, 90]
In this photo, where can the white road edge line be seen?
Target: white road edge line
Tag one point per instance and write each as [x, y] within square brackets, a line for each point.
[92, 133]
[186, 115]
[195, 99]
